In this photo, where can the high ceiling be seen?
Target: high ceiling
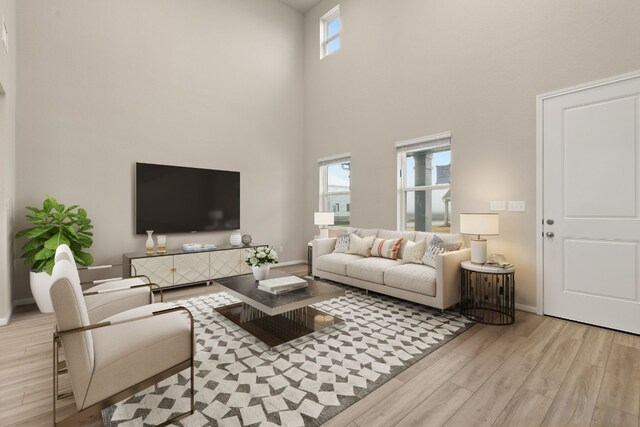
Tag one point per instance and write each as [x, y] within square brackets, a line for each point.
[301, 5]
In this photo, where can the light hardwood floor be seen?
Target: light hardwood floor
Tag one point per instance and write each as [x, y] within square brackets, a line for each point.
[539, 371]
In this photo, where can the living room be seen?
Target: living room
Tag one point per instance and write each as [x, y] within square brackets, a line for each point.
[90, 89]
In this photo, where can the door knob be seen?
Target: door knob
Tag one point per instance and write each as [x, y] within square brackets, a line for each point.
[550, 221]
[550, 234]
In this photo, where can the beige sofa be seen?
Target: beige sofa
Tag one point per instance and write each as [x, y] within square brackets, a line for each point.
[436, 287]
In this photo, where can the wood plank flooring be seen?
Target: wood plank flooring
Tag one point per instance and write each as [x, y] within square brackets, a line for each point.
[538, 372]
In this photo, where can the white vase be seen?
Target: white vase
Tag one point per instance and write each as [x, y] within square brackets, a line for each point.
[40, 284]
[260, 272]
[235, 239]
[149, 245]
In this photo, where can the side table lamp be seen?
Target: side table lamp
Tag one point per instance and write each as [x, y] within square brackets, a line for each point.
[479, 224]
[323, 219]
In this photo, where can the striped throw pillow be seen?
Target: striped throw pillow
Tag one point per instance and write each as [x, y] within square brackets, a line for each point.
[386, 248]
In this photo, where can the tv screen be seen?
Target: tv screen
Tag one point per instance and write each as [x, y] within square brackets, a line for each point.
[173, 199]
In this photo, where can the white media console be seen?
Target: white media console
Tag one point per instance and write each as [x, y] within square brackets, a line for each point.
[181, 268]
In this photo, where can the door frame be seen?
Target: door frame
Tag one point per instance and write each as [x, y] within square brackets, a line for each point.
[540, 171]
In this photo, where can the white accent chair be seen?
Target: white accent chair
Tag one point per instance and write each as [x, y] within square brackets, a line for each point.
[120, 356]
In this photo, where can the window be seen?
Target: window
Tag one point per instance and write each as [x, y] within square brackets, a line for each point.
[330, 26]
[335, 187]
[424, 184]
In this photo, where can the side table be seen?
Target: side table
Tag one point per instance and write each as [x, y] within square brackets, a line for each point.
[487, 294]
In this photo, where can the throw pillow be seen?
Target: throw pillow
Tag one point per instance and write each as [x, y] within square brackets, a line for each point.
[436, 247]
[360, 245]
[414, 251]
[386, 248]
[342, 243]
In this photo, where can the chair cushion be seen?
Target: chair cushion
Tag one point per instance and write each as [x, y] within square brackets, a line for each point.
[336, 262]
[129, 353]
[412, 277]
[370, 269]
[101, 306]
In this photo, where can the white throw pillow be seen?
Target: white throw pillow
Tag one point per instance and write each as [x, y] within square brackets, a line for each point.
[436, 247]
[386, 248]
[360, 245]
[414, 251]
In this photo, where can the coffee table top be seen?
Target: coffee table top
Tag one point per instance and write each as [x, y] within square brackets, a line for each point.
[245, 288]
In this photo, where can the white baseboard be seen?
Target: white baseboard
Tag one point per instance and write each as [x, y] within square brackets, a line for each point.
[24, 301]
[4, 321]
[527, 308]
[284, 264]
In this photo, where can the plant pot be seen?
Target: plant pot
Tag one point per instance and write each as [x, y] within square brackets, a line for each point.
[40, 284]
[260, 272]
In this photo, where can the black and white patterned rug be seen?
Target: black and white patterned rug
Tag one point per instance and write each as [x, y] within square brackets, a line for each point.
[239, 383]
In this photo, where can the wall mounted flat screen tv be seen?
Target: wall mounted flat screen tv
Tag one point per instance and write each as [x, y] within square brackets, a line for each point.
[174, 199]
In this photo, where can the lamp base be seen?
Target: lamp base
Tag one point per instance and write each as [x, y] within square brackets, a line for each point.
[478, 251]
[324, 233]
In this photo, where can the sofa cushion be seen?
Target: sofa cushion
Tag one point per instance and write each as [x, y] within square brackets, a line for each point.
[412, 277]
[393, 234]
[360, 245]
[370, 269]
[335, 263]
[386, 248]
[366, 232]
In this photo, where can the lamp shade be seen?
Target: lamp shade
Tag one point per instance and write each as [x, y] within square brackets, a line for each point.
[486, 224]
[323, 218]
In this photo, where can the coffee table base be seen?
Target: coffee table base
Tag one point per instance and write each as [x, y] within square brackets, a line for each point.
[282, 328]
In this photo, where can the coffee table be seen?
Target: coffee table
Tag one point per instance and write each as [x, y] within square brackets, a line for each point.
[278, 319]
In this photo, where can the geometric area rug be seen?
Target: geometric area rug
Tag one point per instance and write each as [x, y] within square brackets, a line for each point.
[240, 383]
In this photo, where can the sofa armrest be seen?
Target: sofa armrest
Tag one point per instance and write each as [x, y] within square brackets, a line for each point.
[322, 247]
[448, 276]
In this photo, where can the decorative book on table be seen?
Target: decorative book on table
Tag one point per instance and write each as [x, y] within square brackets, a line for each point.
[280, 285]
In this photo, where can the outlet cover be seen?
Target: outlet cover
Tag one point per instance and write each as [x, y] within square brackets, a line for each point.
[497, 206]
[516, 206]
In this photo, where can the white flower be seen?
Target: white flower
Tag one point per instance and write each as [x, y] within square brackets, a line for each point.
[261, 255]
[273, 253]
[253, 260]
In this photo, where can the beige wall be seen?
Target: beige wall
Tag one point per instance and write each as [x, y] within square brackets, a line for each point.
[7, 155]
[203, 83]
[418, 67]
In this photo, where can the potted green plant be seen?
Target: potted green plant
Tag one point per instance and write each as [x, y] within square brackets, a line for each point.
[53, 224]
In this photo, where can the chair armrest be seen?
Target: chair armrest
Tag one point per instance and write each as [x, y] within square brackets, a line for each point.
[105, 266]
[58, 334]
[151, 286]
[448, 275]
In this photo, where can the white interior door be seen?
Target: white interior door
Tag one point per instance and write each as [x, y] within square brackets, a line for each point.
[591, 204]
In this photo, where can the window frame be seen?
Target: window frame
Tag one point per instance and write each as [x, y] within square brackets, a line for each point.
[437, 142]
[323, 193]
[324, 31]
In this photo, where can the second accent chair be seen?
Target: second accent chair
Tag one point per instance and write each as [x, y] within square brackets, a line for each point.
[122, 354]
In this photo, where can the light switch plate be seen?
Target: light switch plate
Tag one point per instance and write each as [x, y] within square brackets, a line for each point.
[497, 206]
[516, 206]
